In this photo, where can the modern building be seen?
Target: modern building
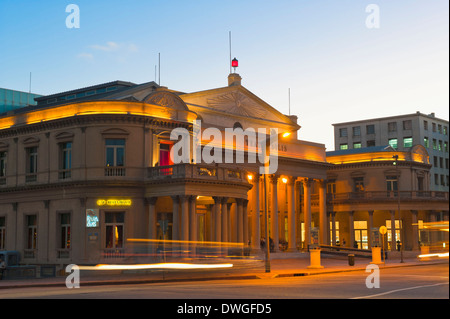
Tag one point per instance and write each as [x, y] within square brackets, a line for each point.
[402, 132]
[87, 174]
[379, 186]
[12, 100]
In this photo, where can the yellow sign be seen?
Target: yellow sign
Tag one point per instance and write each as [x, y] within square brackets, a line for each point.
[114, 202]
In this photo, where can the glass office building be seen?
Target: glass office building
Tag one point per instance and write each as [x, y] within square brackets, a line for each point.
[11, 99]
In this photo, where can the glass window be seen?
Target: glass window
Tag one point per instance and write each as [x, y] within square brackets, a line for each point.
[3, 164]
[343, 147]
[359, 184]
[440, 145]
[357, 145]
[391, 183]
[65, 159]
[357, 131]
[434, 144]
[426, 142]
[65, 231]
[2, 232]
[425, 125]
[392, 127]
[370, 143]
[114, 223]
[115, 152]
[31, 232]
[407, 142]
[343, 132]
[370, 129]
[393, 143]
[31, 160]
[407, 125]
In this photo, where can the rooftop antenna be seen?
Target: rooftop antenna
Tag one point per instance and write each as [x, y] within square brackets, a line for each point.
[159, 69]
[289, 97]
[230, 49]
[29, 91]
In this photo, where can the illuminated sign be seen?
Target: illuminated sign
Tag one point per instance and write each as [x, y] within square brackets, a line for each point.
[92, 218]
[114, 202]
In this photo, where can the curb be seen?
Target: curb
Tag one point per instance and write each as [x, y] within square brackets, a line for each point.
[270, 275]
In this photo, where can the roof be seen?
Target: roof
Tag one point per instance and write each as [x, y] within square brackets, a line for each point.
[371, 149]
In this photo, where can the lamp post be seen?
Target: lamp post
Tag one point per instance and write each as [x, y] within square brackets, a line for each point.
[402, 234]
[266, 211]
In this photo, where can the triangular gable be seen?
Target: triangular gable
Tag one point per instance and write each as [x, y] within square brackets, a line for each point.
[235, 100]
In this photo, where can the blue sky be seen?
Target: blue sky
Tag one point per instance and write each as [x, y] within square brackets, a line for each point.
[337, 69]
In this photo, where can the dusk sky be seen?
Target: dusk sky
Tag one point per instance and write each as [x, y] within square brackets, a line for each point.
[337, 68]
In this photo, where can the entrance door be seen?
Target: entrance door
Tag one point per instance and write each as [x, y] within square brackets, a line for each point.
[361, 238]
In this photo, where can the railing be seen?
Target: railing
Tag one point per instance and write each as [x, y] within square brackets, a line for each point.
[114, 171]
[197, 171]
[114, 253]
[64, 173]
[63, 253]
[368, 195]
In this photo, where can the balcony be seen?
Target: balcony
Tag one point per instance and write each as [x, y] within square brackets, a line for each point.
[387, 195]
[196, 171]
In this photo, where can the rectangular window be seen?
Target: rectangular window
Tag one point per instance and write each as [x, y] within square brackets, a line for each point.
[440, 145]
[393, 143]
[31, 160]
[361, 237]
[336, 224]
[407, 142]
[391, 183]
[433, 125]
[357, 145]
[370, 129]
[358, 184]
[114, 223]
[440, 128]
[446, 147]
[2, 164]
[343, 147]
[435, 161]
[407, 125]
[392, 127]
[370, 143]
[426, 142]
[357, 131]
[2, 232]
[65, 231]
[115, 152]
[343, 132]
[434, 144]
[442, 180]
[65, 162]
[31, 233]
[445, 130]
[436, 179]
[425, 125]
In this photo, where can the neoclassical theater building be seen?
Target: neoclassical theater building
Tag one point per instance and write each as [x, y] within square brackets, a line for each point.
[86, 172]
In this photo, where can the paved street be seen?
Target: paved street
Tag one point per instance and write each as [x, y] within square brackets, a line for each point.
[414, 282]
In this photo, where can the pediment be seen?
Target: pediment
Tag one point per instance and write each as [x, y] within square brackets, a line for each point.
[235, 100]
[166, 99]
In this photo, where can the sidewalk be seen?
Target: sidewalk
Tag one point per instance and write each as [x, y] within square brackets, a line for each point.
[281, 265]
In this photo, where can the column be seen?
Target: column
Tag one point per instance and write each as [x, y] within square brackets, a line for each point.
[307, 210]
[217, 219]
[369, 230]
[184, 218]
[245, 222]
[175, 218]
[393, 240]
[256, 227]
[224, 219]
[291, 213]
[193, 232]
[239, 220]
[333, 228]
[351, 230]
[322, 212]
[274, 211]
[151, 201]
[415, 230]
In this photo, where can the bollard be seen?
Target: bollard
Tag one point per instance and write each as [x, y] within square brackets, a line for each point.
[351, 260]
[314, 255]
[376, 256]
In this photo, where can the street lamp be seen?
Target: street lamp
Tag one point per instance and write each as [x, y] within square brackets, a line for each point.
[266, 203]
[402, 234]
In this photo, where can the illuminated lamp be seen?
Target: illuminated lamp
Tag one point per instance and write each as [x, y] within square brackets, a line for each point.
[250, 177]
[235, 64]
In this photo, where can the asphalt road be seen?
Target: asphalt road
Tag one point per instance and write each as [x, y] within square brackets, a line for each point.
[416, 282]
